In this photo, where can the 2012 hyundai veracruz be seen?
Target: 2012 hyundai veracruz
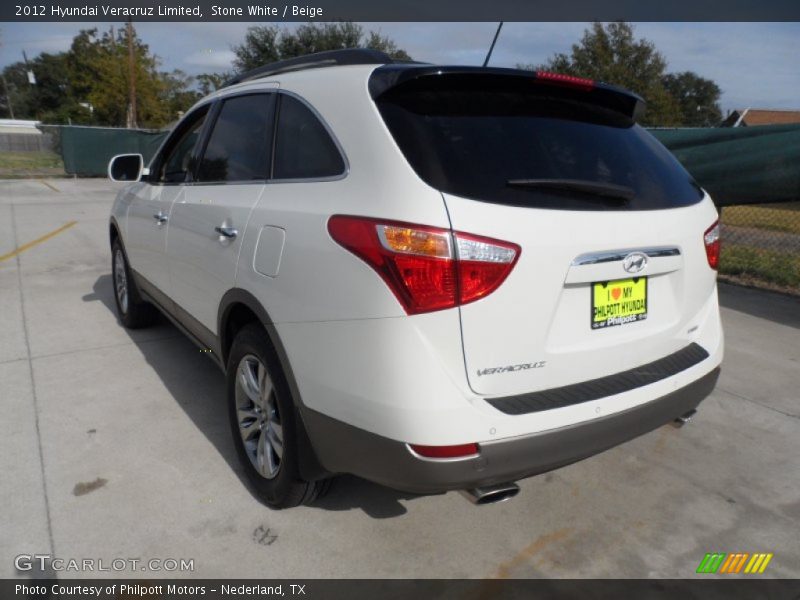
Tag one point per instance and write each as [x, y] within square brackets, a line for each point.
[432, 277]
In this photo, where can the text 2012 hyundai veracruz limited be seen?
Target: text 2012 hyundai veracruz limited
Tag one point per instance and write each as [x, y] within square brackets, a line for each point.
[436, 278]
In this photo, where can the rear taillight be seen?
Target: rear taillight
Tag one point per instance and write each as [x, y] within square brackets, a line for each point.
[427, 268]
[460, 451]
[565, 80]
[711, 241]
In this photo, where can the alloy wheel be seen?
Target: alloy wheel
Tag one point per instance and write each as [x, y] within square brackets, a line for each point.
[258, 417]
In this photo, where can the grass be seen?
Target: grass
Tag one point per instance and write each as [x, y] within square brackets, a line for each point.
[755, 265]
[772, 217]
[22, 165]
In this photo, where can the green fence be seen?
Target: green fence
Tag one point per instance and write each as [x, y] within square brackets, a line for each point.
[86, 151]
[741, 165]
[753, 174]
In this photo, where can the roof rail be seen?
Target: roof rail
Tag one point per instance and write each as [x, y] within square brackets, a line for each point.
[330, 58]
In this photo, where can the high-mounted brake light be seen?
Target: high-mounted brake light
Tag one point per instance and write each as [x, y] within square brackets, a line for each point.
[711, 240]
[565, 80]
[460, 451]
[427, 268]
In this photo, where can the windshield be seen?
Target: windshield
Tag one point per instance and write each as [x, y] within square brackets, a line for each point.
[476, 142]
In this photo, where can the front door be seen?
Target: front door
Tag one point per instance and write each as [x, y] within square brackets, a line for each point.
[149, 214]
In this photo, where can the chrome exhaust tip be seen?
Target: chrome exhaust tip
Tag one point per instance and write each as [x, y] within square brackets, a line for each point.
[491, 494]
[684, 419]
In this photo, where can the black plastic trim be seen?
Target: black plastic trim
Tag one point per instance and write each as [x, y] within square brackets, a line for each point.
[198, 333]
[604, 386]
[343, 448]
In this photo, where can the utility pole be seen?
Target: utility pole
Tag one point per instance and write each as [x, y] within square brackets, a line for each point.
[8, 97]
[132, 79]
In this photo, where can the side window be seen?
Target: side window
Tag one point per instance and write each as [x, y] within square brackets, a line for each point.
[239, 147]
[303, 147]
[178, 152]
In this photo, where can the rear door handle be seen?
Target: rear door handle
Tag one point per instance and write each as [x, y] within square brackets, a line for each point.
[160, 217]
[227, 232]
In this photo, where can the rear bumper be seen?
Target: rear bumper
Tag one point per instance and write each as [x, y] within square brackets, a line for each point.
[342, 448]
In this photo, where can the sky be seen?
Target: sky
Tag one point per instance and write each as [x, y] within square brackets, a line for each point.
[755, 64]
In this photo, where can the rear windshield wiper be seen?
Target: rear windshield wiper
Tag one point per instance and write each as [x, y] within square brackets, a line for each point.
[606, 190]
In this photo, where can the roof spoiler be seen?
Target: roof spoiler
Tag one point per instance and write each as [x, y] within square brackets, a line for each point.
[399, 76]
[330, 58]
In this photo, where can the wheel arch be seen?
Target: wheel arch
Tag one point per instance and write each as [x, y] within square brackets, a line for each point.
[238, 308]
[114, 232]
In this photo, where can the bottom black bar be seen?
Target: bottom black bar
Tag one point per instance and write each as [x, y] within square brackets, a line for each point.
[707, 587]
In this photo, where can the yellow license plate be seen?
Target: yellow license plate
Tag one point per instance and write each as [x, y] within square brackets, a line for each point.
[619, 302]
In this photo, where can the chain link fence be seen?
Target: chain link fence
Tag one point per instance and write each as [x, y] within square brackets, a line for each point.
[761, 245]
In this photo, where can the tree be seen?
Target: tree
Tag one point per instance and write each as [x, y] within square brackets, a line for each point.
[176, 92]
[260, 46]
[266, 44]
[609, 53]
[376, 41]
[697, 98]
[211, 82]
[106, 62]
[50, 99]
[89, 83]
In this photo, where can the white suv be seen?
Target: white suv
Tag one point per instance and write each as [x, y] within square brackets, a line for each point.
[435, 278]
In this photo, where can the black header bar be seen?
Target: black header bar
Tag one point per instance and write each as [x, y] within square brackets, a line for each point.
[398, 10]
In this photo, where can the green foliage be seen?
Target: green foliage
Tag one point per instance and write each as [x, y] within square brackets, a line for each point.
[697, 97]
[610, 53]
[266, 44]
[260, 46]
[51, 98]
[211, 82]
[176, 93]
[750, 263]
[89, 84]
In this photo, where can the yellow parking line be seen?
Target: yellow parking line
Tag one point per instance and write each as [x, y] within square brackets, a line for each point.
[51, 186]
[506, 569]
[37, 241]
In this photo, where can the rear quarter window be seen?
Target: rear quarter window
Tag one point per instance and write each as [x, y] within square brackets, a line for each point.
[303, 147]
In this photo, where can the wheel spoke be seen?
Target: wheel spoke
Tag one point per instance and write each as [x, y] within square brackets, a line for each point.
[278, 428]
[249, 381]
[275, 440]
[262, 460]
[271, 460]
[249, 428]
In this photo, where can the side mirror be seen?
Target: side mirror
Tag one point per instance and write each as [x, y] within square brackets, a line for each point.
[126, 167]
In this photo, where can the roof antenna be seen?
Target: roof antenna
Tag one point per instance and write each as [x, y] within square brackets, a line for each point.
[494, 41]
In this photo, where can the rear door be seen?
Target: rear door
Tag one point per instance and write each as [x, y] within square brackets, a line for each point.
[580, 188]
[207, 224]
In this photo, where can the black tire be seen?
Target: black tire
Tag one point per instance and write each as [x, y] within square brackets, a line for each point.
[277, 485]
[133, 312]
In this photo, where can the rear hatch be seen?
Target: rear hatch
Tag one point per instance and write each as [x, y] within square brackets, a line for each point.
[612, 273]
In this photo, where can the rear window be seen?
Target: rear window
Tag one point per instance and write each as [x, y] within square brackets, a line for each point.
[239, 146]
[497, 143]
